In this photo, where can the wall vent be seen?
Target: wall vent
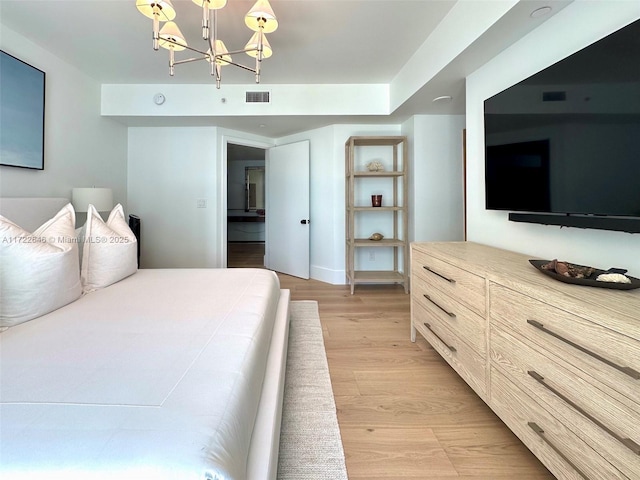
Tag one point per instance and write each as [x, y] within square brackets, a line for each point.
[257, 97]
[554, 96]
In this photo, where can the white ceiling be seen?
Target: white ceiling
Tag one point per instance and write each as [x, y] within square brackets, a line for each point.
[318, 41]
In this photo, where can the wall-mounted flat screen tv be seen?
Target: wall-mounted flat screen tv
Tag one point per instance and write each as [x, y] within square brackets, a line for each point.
[22, 90]
[567, 139]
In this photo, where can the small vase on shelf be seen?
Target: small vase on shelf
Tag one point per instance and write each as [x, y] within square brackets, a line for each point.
[376, 200]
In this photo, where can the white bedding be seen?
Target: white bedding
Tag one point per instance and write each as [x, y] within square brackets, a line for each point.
[158, 376]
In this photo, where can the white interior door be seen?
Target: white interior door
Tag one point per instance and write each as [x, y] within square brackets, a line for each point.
[287, 209]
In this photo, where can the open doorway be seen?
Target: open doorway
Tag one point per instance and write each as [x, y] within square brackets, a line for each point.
[245, 206]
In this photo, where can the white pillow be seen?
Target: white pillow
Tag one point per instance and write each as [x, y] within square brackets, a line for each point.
[40, 270]
[109, 252]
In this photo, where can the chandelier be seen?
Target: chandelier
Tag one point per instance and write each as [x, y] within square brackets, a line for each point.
[260, 19]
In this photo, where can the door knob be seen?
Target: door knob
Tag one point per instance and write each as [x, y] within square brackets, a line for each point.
[304, 222]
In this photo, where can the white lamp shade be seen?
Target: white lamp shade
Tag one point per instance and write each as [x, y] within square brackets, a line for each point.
[253, 43]
[165, 8]
[212, 4]
[261, 12]
[101, 198]
[170, 31]
[221, 49]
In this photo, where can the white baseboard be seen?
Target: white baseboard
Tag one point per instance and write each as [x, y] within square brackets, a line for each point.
[326, 275]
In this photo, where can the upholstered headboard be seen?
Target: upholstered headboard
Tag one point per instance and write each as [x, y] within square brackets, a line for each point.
[31, 212]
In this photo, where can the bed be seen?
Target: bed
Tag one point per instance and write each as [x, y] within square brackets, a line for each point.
[164, 374]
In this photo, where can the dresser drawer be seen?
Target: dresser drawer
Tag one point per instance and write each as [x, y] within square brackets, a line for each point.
[470, 365]
[610, 357]
[464, 286]
[460, 319]
[607, 424]
[566, 455]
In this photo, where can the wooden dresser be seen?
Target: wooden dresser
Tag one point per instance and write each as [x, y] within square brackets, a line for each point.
[558, 363]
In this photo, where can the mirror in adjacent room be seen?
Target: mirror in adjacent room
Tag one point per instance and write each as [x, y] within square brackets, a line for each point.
[254, 188]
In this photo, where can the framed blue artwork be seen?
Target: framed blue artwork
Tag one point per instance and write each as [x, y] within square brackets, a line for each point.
[21, 113]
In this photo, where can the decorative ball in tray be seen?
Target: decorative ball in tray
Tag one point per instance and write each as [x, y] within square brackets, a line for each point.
[614, 278]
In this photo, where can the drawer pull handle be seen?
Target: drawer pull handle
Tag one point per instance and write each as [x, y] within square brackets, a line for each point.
[626, 370]
[627, 442]
[540, 432]
[451, 314]
[450, 280]
[450, 347]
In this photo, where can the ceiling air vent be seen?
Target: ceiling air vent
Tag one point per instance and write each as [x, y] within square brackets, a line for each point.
[257, 97]
[554, 96]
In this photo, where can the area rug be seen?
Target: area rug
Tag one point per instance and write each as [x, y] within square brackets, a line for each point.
[310, 443]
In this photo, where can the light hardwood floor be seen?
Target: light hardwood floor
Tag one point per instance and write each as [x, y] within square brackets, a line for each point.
[403, 412]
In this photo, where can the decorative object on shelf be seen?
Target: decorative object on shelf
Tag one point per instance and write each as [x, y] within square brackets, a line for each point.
[376, 200]
[376, 237]
[375, 166]
[260, 19]
[589, 276]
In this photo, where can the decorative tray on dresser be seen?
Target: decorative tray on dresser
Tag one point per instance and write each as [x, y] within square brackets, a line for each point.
[558, 363]
[590, 280]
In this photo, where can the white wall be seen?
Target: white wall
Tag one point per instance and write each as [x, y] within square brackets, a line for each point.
[169, 170]
[82, 148]
[577, 25]
[190, 100]
[436, 177]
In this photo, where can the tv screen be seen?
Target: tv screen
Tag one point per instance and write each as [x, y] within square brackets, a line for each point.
[517, 177]
[567, 139]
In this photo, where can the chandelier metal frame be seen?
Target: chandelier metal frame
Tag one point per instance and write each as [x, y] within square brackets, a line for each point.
[260, 19]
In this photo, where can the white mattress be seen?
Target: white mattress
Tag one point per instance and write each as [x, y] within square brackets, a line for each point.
[158, 376]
